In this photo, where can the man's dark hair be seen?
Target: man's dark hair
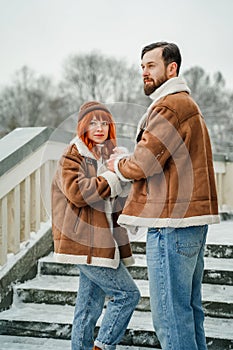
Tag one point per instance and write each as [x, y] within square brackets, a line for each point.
[170, 53]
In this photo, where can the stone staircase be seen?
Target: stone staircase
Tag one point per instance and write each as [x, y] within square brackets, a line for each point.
[42, 311]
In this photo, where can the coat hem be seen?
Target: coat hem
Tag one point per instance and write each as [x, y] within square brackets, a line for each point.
[82, 260]
[127, 220]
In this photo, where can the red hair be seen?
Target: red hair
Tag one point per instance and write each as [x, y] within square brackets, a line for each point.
[83, 126]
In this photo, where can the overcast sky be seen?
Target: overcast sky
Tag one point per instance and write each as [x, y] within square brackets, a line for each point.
[42, 33]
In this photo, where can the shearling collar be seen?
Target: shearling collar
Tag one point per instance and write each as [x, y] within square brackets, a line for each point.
[85, 152]
[171, 86]
[82, 148]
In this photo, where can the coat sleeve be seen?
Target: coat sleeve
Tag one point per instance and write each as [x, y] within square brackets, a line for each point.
[159, 141]
[80, 189]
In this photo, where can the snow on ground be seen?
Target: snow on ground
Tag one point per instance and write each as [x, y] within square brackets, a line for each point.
[221, 233]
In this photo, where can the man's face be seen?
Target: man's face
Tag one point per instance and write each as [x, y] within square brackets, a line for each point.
[154, 72]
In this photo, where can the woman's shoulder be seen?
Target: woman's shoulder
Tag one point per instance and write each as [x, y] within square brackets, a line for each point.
[81, 148]
[72, 150]
[71, 153]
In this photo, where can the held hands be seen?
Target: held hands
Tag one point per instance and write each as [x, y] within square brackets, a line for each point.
[117, 152]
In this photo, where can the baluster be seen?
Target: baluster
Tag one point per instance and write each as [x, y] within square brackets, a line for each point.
[35, 200]
[14, 220]
[220, 189]
[3, 230]
[25, 204]
[45, 191]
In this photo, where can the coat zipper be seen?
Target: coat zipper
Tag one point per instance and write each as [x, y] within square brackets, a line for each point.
[91, 237]
[77, 220]
[89, 256]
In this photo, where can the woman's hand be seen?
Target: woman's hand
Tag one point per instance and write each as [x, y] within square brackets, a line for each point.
[117, 151]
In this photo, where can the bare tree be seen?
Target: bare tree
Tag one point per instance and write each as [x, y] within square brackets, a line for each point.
[96, 77]
[28, 101]
[33, 100]
[214, 101]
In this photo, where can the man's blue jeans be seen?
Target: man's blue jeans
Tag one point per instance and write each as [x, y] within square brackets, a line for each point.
[175, 259]
[94, 284]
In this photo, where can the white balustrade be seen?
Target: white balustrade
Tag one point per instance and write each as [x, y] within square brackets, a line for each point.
[25, 197]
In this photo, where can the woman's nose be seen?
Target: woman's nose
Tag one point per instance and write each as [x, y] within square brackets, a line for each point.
[99, 126]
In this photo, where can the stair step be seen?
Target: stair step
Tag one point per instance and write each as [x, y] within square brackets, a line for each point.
[217, 299]
[55, 321]
[219, 241]
[219, 251]
[217, 270]
[63, 290]
[31, 343]
[211, 250]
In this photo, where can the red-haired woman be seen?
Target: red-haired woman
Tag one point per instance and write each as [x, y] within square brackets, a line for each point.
[86, 201]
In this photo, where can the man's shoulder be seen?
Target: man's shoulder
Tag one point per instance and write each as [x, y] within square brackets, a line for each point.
[179, 102]
[177, 97]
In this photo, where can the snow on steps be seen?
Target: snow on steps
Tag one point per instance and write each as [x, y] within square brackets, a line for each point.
[49, 325]
[31, 343]
[55, 321]
[217, 299]
[217, 270]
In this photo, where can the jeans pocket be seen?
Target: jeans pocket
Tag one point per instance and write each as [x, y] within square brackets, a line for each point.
[189, 241]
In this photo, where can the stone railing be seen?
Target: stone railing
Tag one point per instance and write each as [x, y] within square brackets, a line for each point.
[223, 166]
[28, 158]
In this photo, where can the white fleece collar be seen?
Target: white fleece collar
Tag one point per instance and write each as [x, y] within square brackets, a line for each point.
[82, 148]
[171, 86]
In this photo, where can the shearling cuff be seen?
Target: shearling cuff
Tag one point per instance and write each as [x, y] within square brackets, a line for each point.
[121, 177]
[128, 261]
[113, 182]
[126, 187]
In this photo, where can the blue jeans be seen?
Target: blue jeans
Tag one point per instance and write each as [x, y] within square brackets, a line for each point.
[175, 259]
[95, 284]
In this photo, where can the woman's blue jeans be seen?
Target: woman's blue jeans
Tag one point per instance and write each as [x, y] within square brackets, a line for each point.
[175, 259]
[95, 283]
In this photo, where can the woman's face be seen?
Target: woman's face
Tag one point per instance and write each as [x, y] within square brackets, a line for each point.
[98, 130]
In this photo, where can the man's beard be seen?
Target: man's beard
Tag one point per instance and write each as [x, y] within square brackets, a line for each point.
[150, 88]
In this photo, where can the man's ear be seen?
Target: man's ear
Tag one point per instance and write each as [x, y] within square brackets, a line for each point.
[172, 70]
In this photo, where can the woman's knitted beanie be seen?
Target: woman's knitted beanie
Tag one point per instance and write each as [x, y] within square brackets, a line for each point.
[91, 106]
